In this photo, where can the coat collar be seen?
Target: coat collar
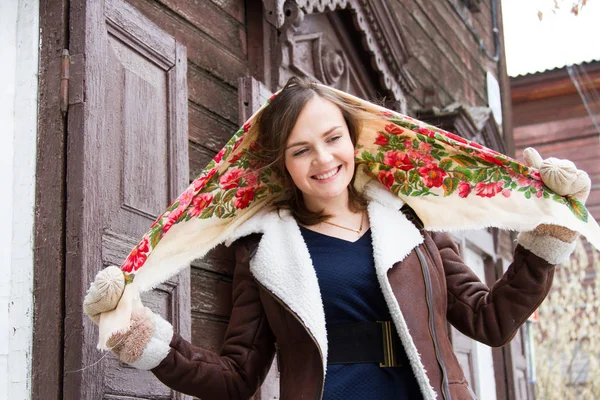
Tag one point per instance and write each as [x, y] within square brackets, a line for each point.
[282, 262]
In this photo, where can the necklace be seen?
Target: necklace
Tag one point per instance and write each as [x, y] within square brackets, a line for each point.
[359, 230]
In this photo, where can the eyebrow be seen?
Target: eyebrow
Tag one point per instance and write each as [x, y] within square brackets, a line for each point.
[323, 135]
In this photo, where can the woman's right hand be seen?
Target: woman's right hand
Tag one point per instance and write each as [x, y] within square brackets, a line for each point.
[147, 340]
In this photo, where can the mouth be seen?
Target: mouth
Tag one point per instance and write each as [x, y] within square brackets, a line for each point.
[327, 175]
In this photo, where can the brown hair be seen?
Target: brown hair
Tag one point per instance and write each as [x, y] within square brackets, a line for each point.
[275, 124]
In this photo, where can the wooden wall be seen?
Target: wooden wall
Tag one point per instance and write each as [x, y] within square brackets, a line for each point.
[445, 56]
[447, 60]
[214, 33]
[550, 116]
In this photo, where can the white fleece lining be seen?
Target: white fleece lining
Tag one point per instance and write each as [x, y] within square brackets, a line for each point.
[282, 264]
[551, 249]
[158, 347]
[394, 237]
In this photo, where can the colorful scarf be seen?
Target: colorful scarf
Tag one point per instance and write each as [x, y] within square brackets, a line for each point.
[450, 182]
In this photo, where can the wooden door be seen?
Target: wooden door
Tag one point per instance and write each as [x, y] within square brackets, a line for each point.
[127, 160]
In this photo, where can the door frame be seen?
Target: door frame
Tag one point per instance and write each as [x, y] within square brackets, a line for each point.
[50, 206]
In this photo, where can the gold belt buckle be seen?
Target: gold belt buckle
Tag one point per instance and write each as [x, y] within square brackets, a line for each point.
[389, 350]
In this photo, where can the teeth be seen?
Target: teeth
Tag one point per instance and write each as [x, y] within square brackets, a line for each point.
[327, 175]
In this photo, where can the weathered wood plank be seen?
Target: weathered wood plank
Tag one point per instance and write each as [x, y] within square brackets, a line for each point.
[576, 149]
[208, 129]
[595, 210]
[455, 34]
[451, 22]
[220, 260]
[214, 21]
[50, 193]
[235, 8]
[211, 293]
[200, 156]
[420, 69]
[551, 84]
[548, 132]
[213, 95]
[208, 332]
[552, 109]
[431, 49]
[482, 22]
[202, 50]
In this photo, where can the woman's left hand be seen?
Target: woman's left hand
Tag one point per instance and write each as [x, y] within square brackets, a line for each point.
[563, 178]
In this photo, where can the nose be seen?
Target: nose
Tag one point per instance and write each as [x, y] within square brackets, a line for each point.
[322, 156]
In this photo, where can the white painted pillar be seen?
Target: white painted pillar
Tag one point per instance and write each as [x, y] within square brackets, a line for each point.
[19, 33]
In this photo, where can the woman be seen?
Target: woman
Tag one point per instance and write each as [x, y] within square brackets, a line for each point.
[342, 282]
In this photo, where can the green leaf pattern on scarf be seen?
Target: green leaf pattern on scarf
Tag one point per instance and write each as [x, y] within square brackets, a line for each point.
[415, 163]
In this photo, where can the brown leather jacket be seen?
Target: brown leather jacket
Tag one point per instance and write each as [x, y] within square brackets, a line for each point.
[430, 285]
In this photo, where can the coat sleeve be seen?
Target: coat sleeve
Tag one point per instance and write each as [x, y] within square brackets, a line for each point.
[493, 316]
[245, 357]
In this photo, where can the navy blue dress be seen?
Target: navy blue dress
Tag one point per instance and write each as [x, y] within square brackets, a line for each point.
[351, 293]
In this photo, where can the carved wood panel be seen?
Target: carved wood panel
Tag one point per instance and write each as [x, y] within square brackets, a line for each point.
[353, 45]
[321, 48]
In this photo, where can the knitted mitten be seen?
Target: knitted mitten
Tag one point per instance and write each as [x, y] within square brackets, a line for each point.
[562, 176]
[104, 293]
[552, 242]
[146, 343]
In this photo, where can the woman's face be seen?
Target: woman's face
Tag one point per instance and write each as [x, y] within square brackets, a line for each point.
[319, 153]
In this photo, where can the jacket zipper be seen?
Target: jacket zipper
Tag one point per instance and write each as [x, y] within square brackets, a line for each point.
[319, 395]
[436, 346]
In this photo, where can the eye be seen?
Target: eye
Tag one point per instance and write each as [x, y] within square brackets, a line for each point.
[333, 139]
[299, 152]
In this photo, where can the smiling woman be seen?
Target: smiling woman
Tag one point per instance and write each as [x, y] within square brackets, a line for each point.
[349, 288]
[309, 135]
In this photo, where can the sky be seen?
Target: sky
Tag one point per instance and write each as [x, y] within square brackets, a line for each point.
[559, 39]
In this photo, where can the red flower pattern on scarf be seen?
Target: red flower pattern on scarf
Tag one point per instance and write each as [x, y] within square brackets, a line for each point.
[398, 160]
[386, 177]
[455, 137]
[199, 183]
[200, 203]
[219, 155]
[490, 158]
[381, 140]
[229, 180]
[488, 189]
[243, 197]
[433, 176]
[464, 189]
[426, 132]
[137, 257]
[393, 129]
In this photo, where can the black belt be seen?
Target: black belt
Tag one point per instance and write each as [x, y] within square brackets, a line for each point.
[363, 342]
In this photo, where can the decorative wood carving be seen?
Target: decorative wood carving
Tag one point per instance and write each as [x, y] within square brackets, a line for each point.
[380, 38]
[327, 64]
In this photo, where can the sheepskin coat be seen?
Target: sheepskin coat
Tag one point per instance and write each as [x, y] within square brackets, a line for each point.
[277, 307]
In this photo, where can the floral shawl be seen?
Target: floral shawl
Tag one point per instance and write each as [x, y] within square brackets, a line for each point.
[450, 182]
